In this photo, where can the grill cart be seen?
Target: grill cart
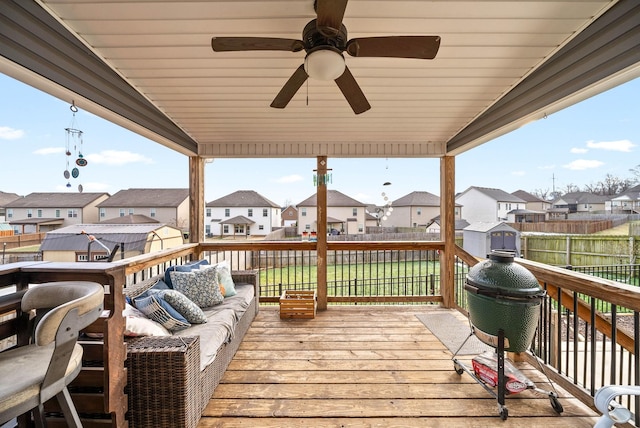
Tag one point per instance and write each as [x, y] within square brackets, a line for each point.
[504, 307]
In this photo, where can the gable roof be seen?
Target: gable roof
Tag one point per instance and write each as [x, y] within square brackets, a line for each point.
[146, 198]
[334, 199]
[632, 194]
[243, 198]
[6, 198]
[130, 219]
[527, 197]
[419, 199]
[495, 194]
[55, 200]
[582, 198]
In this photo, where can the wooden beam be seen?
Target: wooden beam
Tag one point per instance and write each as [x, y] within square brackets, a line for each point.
[321, 229]
[447, 230]
[196, 199]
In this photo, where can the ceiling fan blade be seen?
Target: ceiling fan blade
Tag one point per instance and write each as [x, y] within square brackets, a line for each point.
[422, 47]
[352, 92]
[232, 44]
[330, 14]
[290, 88]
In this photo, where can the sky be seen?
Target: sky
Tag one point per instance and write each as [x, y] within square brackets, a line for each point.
[579, 145]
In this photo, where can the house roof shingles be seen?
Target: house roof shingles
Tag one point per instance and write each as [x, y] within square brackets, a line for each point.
[334, 199]
[55, 200]
[496, 194]
[242, 198]
[146, 198]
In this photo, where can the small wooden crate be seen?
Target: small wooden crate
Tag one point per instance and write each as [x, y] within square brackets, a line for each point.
[298, 304]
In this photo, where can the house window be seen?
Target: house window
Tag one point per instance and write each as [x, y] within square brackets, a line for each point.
[82, 257]
[265, 212]
[307, 227]
[239, 228]
[207, 229]
[303, 212]
[72, 213]
[208, 212]
[121, 212]
[58, 214]
[360, 228]
[152, 212]
[103, 213]
[250, 212]
[261, 227]
[355, 211]
[130, 211]
[227, 212]
[39, 213]
[419, 211]
[9, 212]
[225, 228]
[29, 213]
[498, 206]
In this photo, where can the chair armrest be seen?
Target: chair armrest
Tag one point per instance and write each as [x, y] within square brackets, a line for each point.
[248, 277]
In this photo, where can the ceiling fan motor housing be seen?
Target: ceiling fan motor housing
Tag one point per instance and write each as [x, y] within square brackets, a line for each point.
[314, 39]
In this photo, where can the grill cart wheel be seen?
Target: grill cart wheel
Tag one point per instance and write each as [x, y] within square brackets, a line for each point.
[457, 368]
[555, 403]
[504, 413]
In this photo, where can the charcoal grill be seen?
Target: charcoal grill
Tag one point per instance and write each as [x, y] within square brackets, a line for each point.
[504, 301]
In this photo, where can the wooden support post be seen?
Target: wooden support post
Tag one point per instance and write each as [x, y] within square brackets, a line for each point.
[447, 230]
[321, 245]
[196, 200]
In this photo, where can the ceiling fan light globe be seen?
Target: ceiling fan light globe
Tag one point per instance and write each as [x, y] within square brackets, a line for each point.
[324, 64]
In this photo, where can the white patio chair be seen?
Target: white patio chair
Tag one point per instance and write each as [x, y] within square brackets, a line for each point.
[612, 411]
[35, 373]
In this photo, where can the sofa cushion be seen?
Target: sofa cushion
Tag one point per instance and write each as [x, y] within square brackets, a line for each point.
[187, 267]
[199, 285]
[221, 323]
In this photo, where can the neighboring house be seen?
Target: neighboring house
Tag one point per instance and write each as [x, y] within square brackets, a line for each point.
[483, 204]
[532, 202]
[6, 198]
[344, 214]
[526, 216]
[579, 202]
[433, 226]
[168, 206]
[627, 202]
[244, 212]
[43, 212]
[416, 209]
[289, 216]
[71, 243]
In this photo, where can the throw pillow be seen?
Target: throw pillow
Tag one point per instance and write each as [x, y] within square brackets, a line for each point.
[160, 311]
[184, 306]
[136, 324]
[199, 285]
[225, 279]
[188, 267]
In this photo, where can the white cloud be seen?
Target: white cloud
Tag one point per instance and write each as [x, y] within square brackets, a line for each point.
[547, 167]
[117, 157]
[289, 179]
[49, 151]
[579, 150]
[582, 164]
[518, 173]
[616, 146]
[7, 133]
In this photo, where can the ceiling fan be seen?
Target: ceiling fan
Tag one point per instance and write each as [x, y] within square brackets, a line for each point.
[325, 39]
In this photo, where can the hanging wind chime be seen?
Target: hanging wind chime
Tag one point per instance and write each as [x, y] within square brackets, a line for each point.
[73, 141]
[386, 209]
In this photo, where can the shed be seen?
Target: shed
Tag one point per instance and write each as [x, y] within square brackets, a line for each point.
[480, 238]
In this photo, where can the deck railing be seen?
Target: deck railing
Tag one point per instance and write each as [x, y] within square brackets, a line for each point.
[588, 332]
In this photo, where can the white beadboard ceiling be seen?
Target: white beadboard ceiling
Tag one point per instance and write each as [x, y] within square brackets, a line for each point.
[221, 100]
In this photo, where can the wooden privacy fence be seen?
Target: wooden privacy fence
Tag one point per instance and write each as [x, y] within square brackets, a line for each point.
[581, 250]
[566, 226]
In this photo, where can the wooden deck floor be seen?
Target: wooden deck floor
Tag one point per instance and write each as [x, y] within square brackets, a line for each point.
[365, 367]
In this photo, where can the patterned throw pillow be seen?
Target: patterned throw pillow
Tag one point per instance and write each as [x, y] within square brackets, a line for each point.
[225, 279]
[199, 285]
[183, 268]
[157, 309]
[184, 306]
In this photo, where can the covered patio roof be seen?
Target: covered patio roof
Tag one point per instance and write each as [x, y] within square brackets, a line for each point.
[149, 66]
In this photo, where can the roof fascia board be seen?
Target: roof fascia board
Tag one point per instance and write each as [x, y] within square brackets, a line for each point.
[602, 56]
[40, 45]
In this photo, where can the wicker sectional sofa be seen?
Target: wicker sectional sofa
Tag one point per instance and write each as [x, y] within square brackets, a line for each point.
[167, 384]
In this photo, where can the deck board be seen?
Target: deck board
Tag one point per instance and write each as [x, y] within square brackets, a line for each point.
[364, 367]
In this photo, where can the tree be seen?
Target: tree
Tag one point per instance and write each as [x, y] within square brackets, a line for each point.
[636, 174]
[541, 193]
